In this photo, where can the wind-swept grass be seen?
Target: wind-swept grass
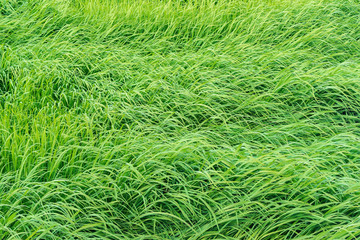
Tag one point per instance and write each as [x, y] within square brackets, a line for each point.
[174, 119]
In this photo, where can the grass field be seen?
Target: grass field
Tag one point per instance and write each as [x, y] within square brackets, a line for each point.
[175, 119]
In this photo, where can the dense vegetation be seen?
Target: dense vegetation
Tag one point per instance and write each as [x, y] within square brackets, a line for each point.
[174, 119]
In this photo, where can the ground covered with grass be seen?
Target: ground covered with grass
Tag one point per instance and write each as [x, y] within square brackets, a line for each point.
[174, 119]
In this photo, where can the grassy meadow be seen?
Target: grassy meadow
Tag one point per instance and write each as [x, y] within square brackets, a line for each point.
[175, 119]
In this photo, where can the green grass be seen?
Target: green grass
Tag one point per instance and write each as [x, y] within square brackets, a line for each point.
[175, 119]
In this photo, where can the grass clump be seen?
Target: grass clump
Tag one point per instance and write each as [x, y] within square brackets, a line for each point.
[179, 119]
